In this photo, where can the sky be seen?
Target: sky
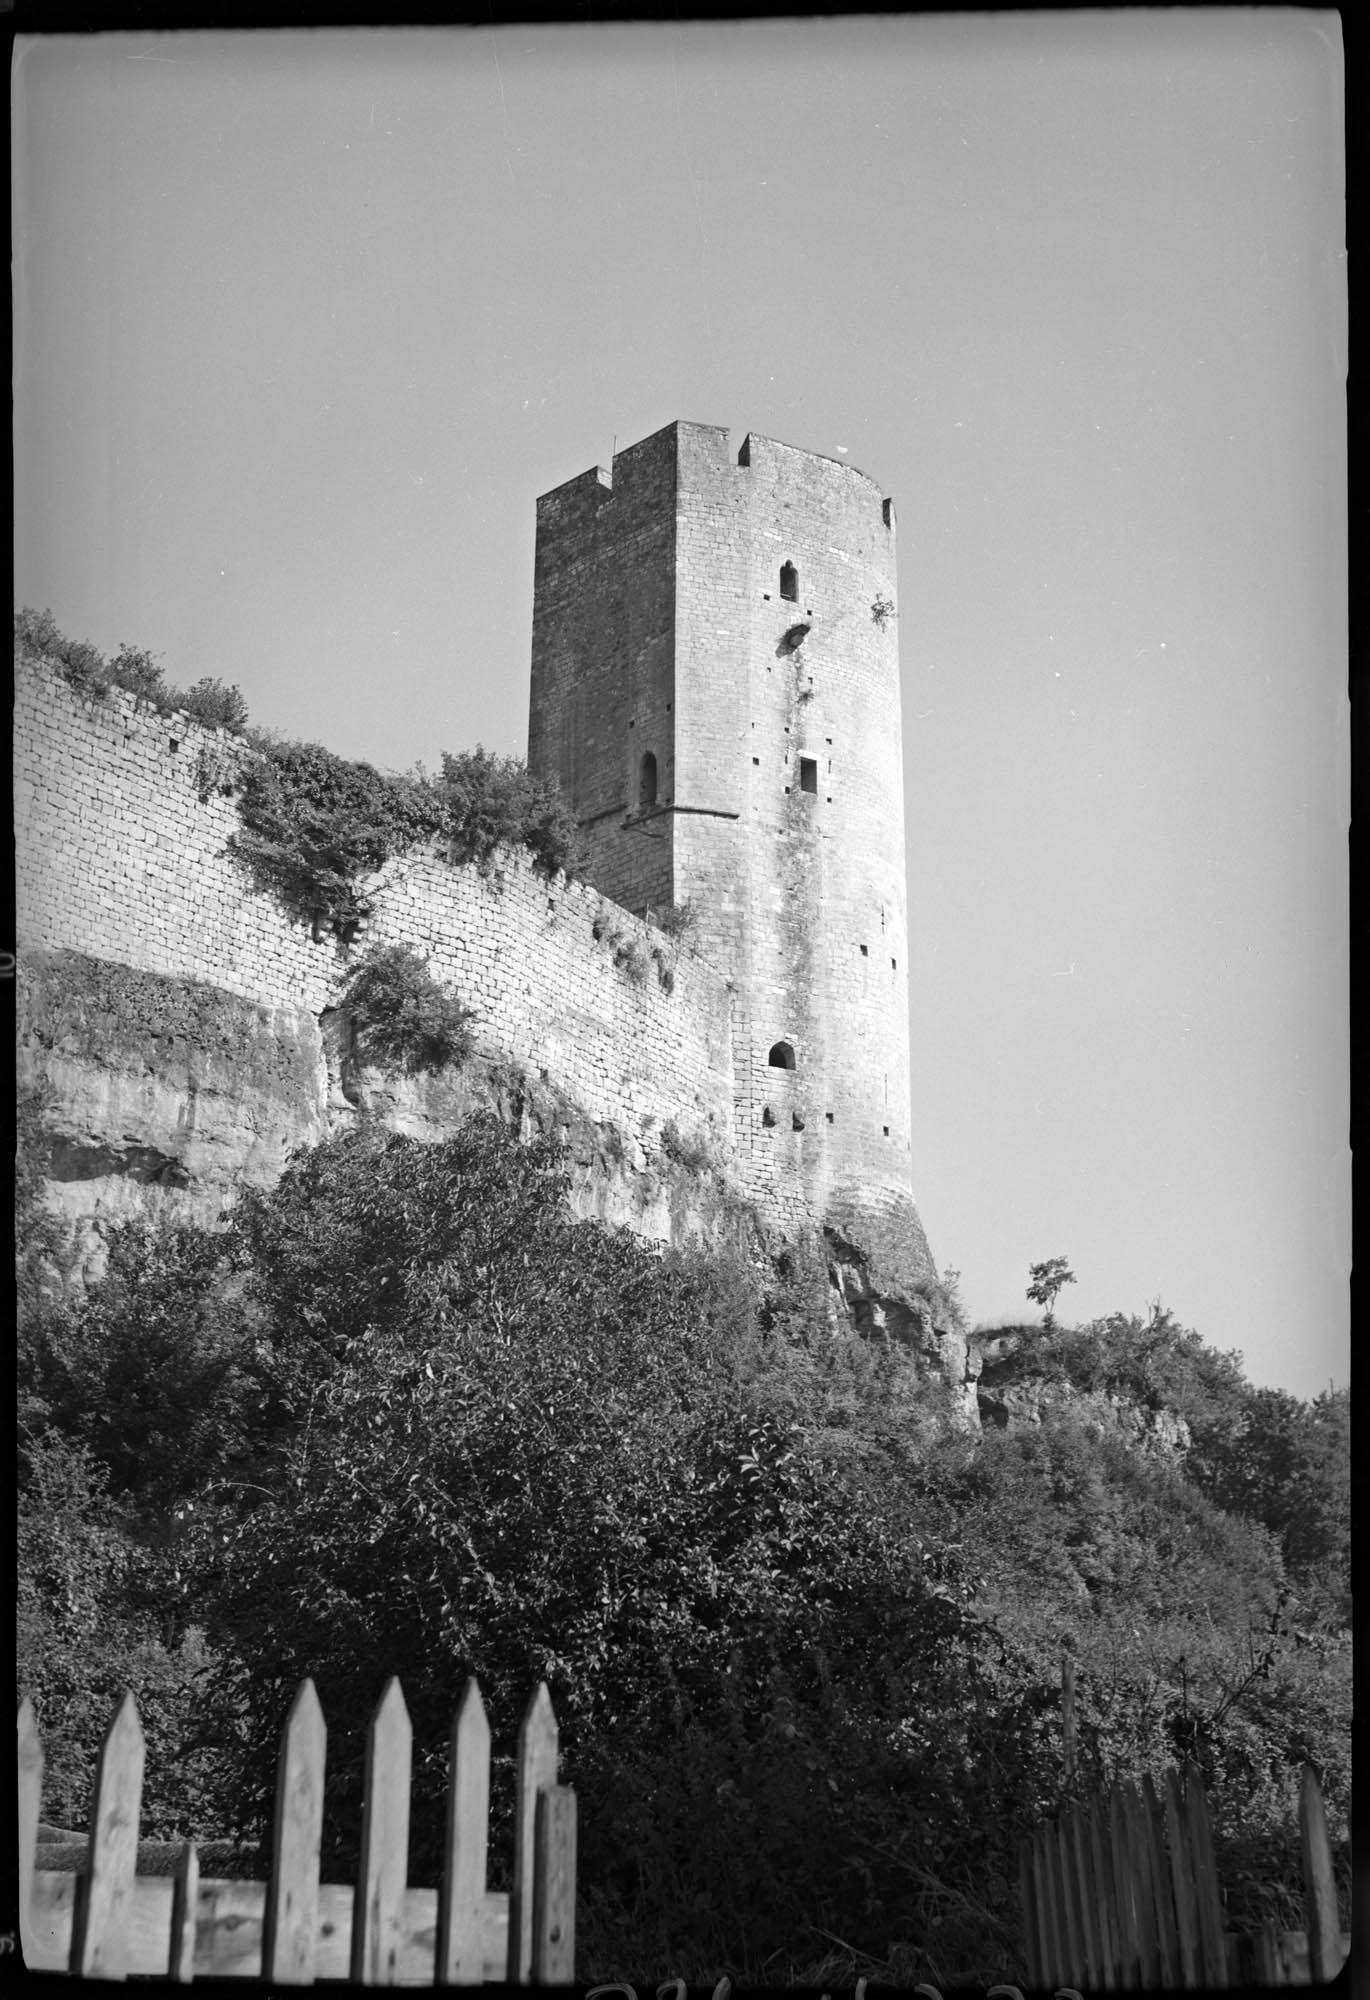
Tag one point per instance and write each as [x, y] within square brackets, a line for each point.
[304, 322]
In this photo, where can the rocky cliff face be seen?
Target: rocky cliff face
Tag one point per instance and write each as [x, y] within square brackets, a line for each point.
[161, 1097]
[1010, 1394]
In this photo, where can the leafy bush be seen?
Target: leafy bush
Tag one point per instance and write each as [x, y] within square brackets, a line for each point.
[1287, 1464]
[520, 1447]
[315, 824]
[406, 1416]
[402, 1017]
[147, 1370]
[218, 707]
[89, 1624]
[496, 800]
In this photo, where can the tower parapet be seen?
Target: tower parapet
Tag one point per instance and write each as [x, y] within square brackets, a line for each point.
[716, 685]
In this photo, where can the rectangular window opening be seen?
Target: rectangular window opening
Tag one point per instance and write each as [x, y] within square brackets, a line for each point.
[808, 774]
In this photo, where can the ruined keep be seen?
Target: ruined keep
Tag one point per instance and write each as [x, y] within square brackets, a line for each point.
[715, 684]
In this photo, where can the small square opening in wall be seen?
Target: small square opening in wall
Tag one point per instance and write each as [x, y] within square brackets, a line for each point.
[808, 774]
[865, 951]
[828, 1116]
[756, 760]
[886, 1130]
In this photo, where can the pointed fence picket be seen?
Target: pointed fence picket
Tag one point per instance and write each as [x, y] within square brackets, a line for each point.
[1121, 1893]
[109, 1922]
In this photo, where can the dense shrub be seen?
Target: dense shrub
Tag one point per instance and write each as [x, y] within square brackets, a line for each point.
[89, 1624]
[401, 1017]
[314, 825]
[493, 800]
[803, 1638]
[218, 707]
[147, 1369]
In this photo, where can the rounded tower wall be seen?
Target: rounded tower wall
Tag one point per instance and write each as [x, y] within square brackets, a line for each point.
[786, 639]
[744, 610]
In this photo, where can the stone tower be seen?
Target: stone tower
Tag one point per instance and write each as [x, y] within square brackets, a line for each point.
[716, 686]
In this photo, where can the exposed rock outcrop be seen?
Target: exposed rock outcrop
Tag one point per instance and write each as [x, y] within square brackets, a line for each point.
[160, 1098]
[918, 1317]
[1010, 1393]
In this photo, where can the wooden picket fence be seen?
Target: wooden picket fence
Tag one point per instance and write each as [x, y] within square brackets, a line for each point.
[107, 1921]
[1121, 1891]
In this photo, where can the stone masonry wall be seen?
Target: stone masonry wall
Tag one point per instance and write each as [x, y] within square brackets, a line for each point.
[770, 663]
[602, 664]
[119, 859]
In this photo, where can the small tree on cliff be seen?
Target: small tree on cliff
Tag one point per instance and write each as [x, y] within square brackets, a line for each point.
[1047, 1280]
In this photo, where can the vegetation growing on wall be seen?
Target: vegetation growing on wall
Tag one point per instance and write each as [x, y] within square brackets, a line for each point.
[401, 1017]
[406, 1416]
[315, 825]
[209, 701]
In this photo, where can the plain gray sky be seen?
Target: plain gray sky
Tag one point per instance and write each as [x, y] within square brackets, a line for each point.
[304, 323]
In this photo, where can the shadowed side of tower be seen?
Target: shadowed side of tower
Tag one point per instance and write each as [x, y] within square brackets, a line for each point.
[715, 683]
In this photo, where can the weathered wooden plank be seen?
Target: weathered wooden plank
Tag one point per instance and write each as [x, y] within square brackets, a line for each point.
[554, 1888]
[1124, 1892]
[1060, 1891]
[461, 1895]
[1268, 1961]
[1207, 1894]
[377, 1926]
[1106, 1901]
[1049, 1907]
[1068, 1743]
[1296, 1959]
[52, 1898]
[185, 1896]
[1181, 1883]
[1071, 1921]
[97, 1939]
[537, 1768]
[1143, 1884]
[229, 1924]
[29, 1748]
[1319, 1881]
[1027, 1904]
[292, 1897]
[1168, 1957]
[1077, 1834]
